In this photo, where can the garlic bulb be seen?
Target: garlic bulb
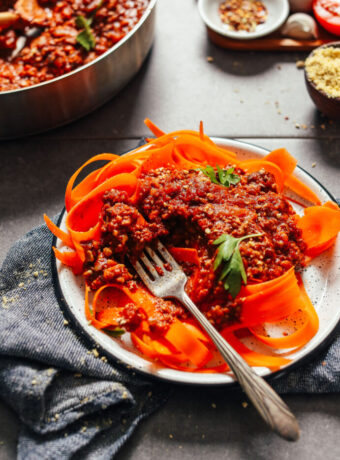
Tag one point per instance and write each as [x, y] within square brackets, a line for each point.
[300, 26]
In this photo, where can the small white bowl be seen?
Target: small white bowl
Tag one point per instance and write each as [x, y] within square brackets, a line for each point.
[278, 11]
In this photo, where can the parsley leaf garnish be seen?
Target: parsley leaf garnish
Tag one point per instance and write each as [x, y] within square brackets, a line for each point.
[233, 272]
[117, 332]
[224, 177]
[85, 38]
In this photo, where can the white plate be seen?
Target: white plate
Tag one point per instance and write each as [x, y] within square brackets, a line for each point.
[321, 279]
[278, 11]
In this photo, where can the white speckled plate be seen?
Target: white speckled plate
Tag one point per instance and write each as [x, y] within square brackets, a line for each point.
[321, 279]
[278, 11]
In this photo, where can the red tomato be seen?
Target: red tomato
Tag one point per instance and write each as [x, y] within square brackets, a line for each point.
[327, 13]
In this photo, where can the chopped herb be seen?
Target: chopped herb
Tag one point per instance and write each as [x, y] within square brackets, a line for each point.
[117, 332]
[233, 272]
[85, 38]
[224, 177]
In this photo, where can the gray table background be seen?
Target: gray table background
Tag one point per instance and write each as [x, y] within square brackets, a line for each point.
[257, 97]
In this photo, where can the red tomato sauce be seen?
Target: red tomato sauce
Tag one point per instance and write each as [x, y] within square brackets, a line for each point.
[186, 210]
[56, 51]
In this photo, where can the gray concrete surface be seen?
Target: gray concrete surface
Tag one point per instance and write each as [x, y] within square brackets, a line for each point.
[240, 95]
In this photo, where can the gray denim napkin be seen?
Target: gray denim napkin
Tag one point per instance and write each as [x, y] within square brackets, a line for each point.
[73, 403]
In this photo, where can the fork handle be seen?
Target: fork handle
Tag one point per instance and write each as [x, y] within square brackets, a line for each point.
[267, 402]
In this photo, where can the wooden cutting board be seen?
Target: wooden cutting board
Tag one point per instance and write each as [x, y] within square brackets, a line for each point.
[272, 42]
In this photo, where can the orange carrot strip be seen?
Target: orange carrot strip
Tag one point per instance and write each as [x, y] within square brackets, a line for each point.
[70, 259]
[193, 149]
[301, 189]
[84, 215]
[303, 334]
[331, 205]
[272, 302]
[147, 349]
[68, 197]
[124, 164]
[252, 357]
[158, 158]
[283, 159]
[250, 166]
[185, 341]
[197, 332]
[185, 255]
[320, 226]
[153, 128]
[175, 134]
[201, 130]
[64, 237]
[90, 316]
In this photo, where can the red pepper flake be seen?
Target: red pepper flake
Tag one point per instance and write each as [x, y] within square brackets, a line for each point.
[243, 15]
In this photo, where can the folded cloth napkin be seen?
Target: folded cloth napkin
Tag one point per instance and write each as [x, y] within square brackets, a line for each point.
[69, 398]
[71, 401]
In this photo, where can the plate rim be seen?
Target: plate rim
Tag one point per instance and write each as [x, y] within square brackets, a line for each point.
[67, 310]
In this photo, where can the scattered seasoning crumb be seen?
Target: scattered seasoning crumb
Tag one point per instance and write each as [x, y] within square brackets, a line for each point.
[35, 274]
[323, 126]
[21, 284]
[297, 126]
[34, 382]
[65, 435]
[324, 363]
[279, 67]
[303, 126]
[213, 405]
[104, 359]
[83, 429]
[171, 436]
[313, 165]
[244, 404]
[124, 395]
[286, 118]
[300, 64]
[30, 266]
[279, 112]
[65, 322]
[210, 59]
[50, 371]
[95, 353]
[56, 416]
[4, 302]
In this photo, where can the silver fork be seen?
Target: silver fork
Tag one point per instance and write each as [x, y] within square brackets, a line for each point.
[153, 268]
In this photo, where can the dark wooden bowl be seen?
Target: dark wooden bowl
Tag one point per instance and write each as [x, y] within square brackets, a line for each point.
[329, 106]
